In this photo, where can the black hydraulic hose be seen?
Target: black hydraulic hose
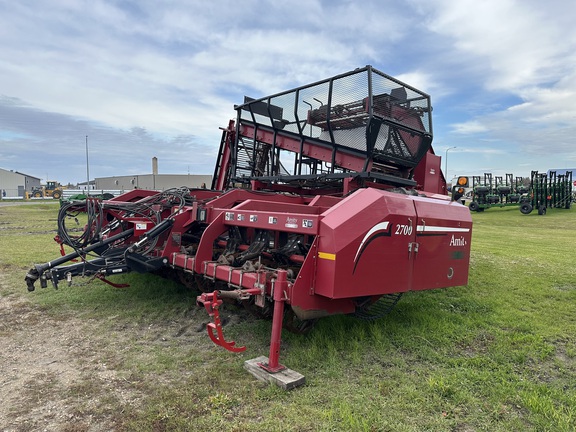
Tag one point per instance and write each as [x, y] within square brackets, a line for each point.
[153, 233]
[93, 209]
[34, 273]
[88, 240]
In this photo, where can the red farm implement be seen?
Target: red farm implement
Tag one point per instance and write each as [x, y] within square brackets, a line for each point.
[326, 199]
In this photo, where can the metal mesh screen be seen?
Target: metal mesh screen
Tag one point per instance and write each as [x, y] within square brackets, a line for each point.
[364, 112]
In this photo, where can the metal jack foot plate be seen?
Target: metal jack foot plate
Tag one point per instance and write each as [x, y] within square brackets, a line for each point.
[287, 379]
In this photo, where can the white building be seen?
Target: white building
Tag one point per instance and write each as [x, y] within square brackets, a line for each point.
[16, 184]
[157, 182]
[154, 181]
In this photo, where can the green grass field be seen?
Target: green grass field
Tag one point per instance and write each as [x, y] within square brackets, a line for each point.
[496, 355]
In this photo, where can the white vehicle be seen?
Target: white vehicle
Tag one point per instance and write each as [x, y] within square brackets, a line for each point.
[461, 188]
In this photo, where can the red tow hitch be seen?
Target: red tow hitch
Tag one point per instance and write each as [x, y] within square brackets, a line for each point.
[267, 369]
[212, 301]
[212, 304]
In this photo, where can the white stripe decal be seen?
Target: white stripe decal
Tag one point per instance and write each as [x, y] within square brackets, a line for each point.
[436, 229]
[382, 226]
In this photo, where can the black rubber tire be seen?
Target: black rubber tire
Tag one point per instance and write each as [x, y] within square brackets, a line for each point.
[526, 208]
[541, 210]
[37, 194]
[56, 194]
[473, 206]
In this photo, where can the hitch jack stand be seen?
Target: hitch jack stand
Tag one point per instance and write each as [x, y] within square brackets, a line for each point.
[269, 369]
[280, 286]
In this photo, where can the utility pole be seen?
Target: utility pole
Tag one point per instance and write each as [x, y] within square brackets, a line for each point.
[446, 164]
[87, 170]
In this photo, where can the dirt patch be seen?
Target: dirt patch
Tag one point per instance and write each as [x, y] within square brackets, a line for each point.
[49, 370]
[62, 373]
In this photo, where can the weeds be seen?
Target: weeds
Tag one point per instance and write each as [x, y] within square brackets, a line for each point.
[496, 355]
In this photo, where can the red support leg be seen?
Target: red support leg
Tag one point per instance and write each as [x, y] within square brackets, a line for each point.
[280, 287]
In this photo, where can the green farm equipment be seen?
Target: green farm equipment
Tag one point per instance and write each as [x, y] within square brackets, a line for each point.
[551, 190]
[544, 191]
[499, 192]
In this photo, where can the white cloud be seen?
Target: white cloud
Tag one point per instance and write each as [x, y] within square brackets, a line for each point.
[516, 43]
[498, 71]
[470, 127]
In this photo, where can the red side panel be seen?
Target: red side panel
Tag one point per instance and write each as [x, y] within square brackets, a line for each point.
[376, 242]
[429, 176]
[364, 243]
[444, 234]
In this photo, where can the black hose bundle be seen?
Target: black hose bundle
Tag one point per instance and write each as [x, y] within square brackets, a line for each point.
[149, 207]
[93, 209]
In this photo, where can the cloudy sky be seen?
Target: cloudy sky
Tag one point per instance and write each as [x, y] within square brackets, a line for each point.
[147, 78]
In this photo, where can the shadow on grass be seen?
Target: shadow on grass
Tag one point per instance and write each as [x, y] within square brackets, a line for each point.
[148, 294]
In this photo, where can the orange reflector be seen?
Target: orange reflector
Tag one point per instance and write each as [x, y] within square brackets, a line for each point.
[326, 255]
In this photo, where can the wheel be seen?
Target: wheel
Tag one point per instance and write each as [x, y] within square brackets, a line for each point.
[474, 206]
[56, 194]
[295, 325]
[526, 208]
[203, 284]
[541, 210]
[257, 311]
[371, 311]
[187, 279]
[37, 194]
